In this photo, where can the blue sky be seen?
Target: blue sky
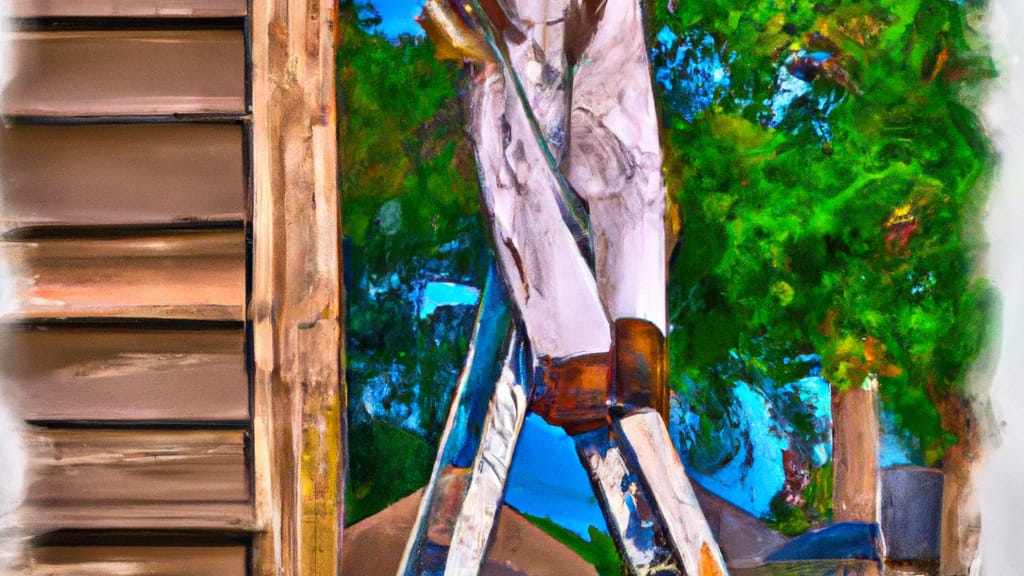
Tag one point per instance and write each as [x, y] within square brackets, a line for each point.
[548, 480]
[398, 16]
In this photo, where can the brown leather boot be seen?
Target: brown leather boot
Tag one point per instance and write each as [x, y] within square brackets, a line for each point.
[639, 367]
[572, 392]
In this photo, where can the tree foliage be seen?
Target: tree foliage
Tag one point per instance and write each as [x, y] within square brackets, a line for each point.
[409, 217]
[830, 192]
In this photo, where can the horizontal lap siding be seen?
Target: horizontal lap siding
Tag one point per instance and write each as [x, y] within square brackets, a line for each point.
[149, 560]
[126, 184]
[84, 478]
[104, 175]
[125, 374]
[133, 8]
[125, 72]
[184, 276]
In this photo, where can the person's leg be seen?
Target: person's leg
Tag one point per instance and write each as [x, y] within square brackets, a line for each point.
[615, 165]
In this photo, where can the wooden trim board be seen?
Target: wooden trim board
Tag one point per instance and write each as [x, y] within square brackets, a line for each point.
[296, 307]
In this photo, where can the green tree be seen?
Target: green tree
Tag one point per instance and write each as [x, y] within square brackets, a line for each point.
[409, 215]
[830, 180]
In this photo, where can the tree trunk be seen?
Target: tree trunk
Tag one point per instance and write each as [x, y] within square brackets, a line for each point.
[961, 520]
[855, 441]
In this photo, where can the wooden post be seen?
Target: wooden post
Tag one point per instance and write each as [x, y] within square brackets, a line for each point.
[961, 521]
[296, 310]
[855, 445]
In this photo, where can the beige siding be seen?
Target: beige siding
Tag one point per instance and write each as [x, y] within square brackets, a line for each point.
[125, 374]
[137, 479]
[74, 73]
[113, 174]
[148, 560]
[187, 276]
[135, 8]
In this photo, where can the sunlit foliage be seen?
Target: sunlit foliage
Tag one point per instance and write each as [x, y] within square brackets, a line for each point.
[409, 216]
[830, 195]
